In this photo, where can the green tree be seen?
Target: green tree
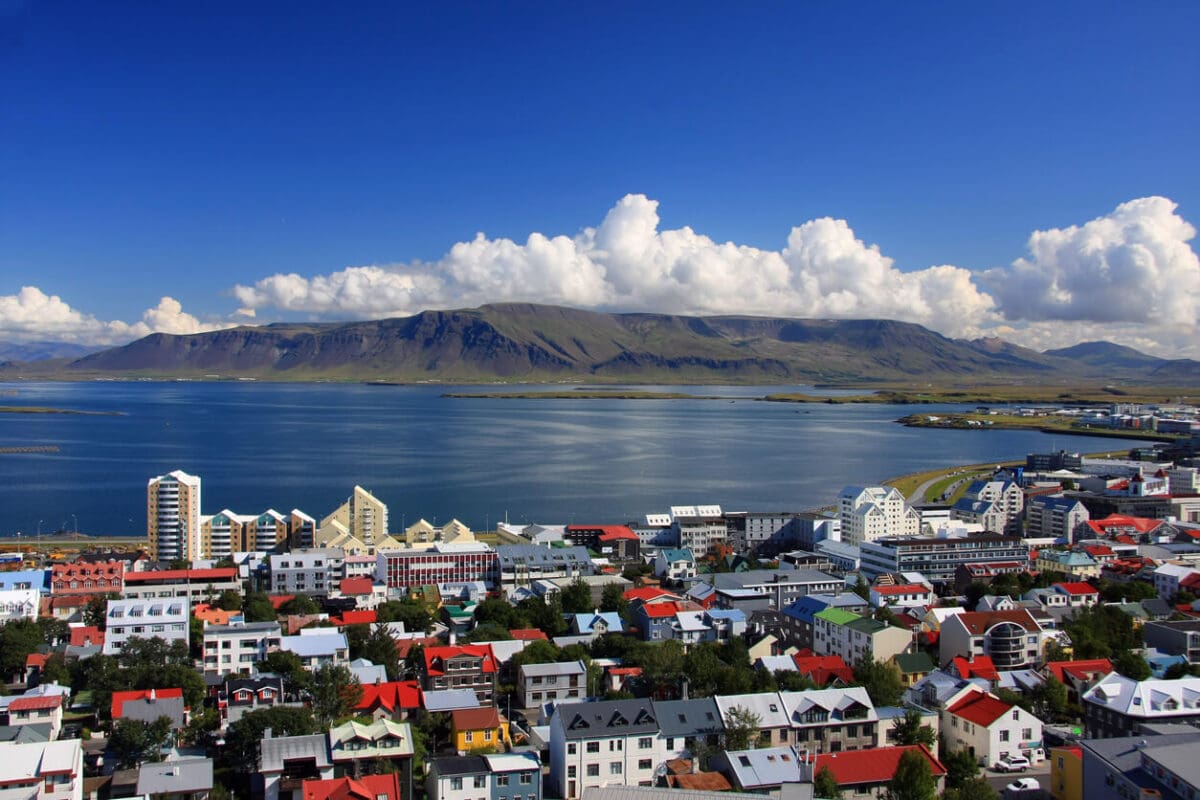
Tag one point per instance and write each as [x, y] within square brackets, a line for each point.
[257, 608]
[613, 599]
[825, 785]
[201, 724]
[134, 742]
[742, 729]
[500, 613]
[1050, 702]
[881, 679]
[576, 597]
[538, 651]
[56, 670]
[95, 613]
[862, 588]
[544, 614]
[960, 766]
[230, 600]
[662, 664]
[913, 779]
[911, 729]
[789, 680]
[301, 605]
[18, 639]
[243, 737]
[1132, 665]
[288, 666]
[971, 789]
[1013, 698]
[435, 731]
[380, 648]
[335, 692]
[487, 632]
[412, 613]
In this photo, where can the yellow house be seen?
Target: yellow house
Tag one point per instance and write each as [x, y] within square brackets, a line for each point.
[1066, 773]
[479, 729]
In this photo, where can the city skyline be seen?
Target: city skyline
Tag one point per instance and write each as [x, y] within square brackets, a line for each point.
[1022, 172]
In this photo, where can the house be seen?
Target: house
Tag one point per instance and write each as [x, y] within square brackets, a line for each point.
[42, 770]
[237, 648]
[1169, 576]
[904, 594]
[683, 723]
[479, 729]
[674, 564]
[990, 729]
[797, 618]
[357, 749]
[461, 667]
[760, 771]
[180, 779]
[870, 772]
[286, 762]
[1066, 772]
[914, 666]
[984, 572]
[563, 682]
[823, 670]
[35, 709]
[390, 700]
[840, 633]
[1078, 594]
[1177, 638]
[1013, 639]
[831, 720]
[603, 743]
[980, 666]
[240, 695]
[511, 776]
[1078, 676]
[597, 623]
[316, 647]
[1078, 565]
[1117, 706]
[148, 705]
[614, 542]
[368, 787]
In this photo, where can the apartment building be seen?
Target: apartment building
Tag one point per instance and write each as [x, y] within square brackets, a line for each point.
[229, 649]
[471, 666]
[781, 587]
[197, 585]
[1143, 766]
[1054, 516]
[1013, 639]
[173, 516]
[868, 513]
[442, 563]
[165, 618]
[841, 633]
[564, 682]
[315, 571]
[316, 647]
[612, 742]
[697, 528]
[363, 515]
[1004, 501]
[1178, 638]
[938, 558]
[81, 578]
[524, 564]
[1119, 706]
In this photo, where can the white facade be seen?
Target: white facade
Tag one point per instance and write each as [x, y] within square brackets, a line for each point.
[165, 619]
[990, 729]
[699, 527]
[173, 516]
[229, 649]
[868, 513]
[19, 604]
[619, 744]
[42, 770]
[313, 572]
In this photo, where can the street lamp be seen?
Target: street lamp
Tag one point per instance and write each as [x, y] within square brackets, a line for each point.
[75, 519]
[39, 530]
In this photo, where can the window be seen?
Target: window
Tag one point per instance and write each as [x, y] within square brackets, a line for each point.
[593, 747]
[645, 743]
[615, 745]
[644, 763]
[571, 748]
[1026, 734]
[468, 736]
[614, 768]
[480, 781]
[456, 783]
[571, 771]
[526, 778]
[1004, 736]
[593, 770]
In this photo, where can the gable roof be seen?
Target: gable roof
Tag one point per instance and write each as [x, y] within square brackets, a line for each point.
[1075, 588]
[980, 666]
[980, 707]
[979, 622]
[368, 787]
[119, 699]
[877, 765]
[475, 719]
[607, 717]
[436, 656]
[391, 696]
[1082, 670]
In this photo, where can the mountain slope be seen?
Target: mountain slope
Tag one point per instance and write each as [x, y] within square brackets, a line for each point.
[544, 343]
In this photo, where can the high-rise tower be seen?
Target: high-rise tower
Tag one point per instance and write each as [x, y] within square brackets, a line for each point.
[173, 516]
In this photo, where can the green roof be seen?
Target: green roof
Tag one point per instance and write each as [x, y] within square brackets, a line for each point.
[867, 625]
[913, 663]
[837, 616]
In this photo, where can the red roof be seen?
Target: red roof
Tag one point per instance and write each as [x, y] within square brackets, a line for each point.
[528, 634]
[1082, 670]
[39, 703]
[904, 588]
[661, 610]
[35, 660]
[436, 656]
[1076, 587]
[358, 618]
[1139, 524]
[647, 594]
[119, 699]
[977, 622]
[368, 787]
[391, 696]
[214, 574]
[980, 667]
[980, 708]
[624, 671]
[877, 765]
[278, 600]
[1098, 550]
[608, 533]
[356, 586]
[823, 670]
[475, 719]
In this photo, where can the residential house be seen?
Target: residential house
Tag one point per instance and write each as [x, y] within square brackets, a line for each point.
[674, 564]
[831, 720]
[357, 749]
[1169, 576]
[368, 787]
[564, 682]
[604, 743]
[479, 729]
[85, 578]
[1013, 639]
[1117, 706]
[1078, 565]
[42, 770]
[316, 647]
[44, 709]
[869, 773]
[239, 695]
[760, 771]
[147, 705]
[461, 667]
[1078, 594]
[683, 723]
[237, 648]
[840, 633]
[914, 666]
[990, 729]
[286, 762]
[511, 776]
[390, 700]
[774, 725]
[178, 779]
[904, 594]
[597, 623]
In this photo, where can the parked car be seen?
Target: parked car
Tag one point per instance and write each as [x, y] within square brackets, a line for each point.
[1024, 785]
[1012, 763]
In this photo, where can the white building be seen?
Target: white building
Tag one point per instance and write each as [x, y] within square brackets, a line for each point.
[1167, 578]
[990, 729]
[173, 516]
[165, 619]
[868, 513]
[607, 743]
[19, 604]
[315, 571]
[42, 770]
[316, 647]
[237, 648]
[697, 528]
[1006, 499]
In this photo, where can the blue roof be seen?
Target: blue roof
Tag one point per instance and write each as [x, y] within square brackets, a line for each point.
[585, 622]
[676, 554]
[36, 578]
[731, 614]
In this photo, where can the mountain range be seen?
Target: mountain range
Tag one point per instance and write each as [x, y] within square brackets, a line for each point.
[539, 343]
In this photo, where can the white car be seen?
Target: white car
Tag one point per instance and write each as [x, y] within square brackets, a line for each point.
[1024, 785]
[1012, 763]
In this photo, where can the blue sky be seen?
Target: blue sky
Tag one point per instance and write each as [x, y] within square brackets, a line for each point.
[152, 150]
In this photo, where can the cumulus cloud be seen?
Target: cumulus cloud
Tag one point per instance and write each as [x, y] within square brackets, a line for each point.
[628, 263]
[31, 314]
[1133, 265]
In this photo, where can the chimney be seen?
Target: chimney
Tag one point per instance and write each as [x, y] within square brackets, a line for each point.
[453, 638]
[153, 696]
[266, 733]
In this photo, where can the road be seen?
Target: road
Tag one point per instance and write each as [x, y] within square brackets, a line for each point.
[998, 780]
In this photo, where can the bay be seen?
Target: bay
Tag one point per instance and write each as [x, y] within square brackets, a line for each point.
[284, 446]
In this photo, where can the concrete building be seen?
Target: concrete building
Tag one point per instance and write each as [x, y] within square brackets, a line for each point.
[611, 742]
[868, 513]
[564, 682]
[510, 776]
[441, 563]
[363, 515]
[229, 649]
[19, 604]
[315, 572]
[697, 528]
[166, 619]
[523, 564]
[1054, 516]
[990, 729]
[316, 647]
[938, 558]
[841, 633]
[196, 585]
[1013, 639]
[42, 770]
[173, 516]
[1118, 706]
[1179, 638]
[1005, 500]
[1143, 766]
[781, 587]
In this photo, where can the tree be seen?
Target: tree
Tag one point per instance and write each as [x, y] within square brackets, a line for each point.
[257, 608]
[412, 613]
[971, 789]
[825, 785]
[576, 597]
[613, 599]
[135, 742]
[544, 614]
[230, 600]
[95, 613]
[1050, 702]
[1132, 665]
[434, 731]
[56, 670]
[788, 680]
[18, 639]
[202, 723]
[243, 737]
[882, 680]
[380, 648]
[960, 766]
[487, 632]
[911, 729]
[662, 664]
[539, 651]
[335, 692]
[301, 605]
[862, 589]
[288, 666]
[913, 779]
[741, 729]
[500, 613]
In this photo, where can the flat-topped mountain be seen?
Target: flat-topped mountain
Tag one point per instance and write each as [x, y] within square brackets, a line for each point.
[529, 342]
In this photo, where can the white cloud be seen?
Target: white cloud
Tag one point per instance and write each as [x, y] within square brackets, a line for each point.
[31, 315]
[628, 263]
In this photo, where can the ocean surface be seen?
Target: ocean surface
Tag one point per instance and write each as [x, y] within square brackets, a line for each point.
[284, 446]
